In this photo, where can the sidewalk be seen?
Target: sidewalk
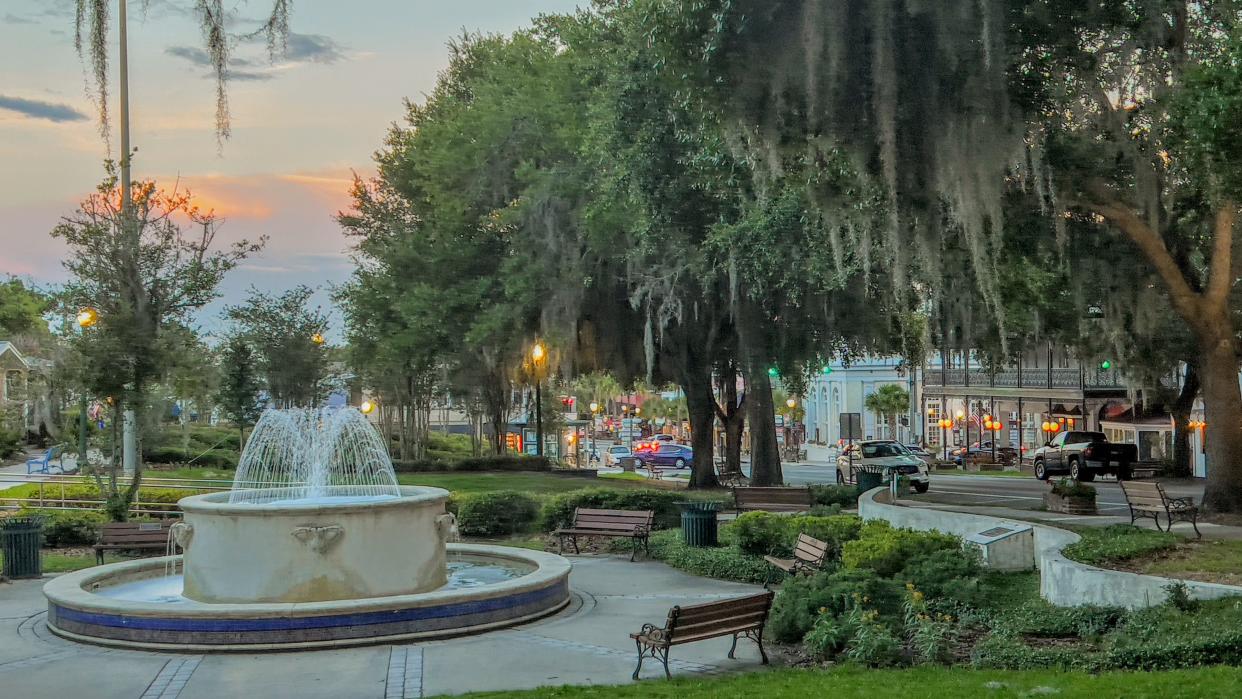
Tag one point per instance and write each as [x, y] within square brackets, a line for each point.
[1210, 530]
[586, 644]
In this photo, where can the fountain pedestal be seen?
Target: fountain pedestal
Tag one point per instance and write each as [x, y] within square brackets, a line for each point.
[312, 550]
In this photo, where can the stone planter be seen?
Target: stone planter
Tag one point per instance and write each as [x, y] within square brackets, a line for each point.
[1070, 505]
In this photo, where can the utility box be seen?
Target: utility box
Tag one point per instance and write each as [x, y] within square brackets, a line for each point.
[1005, 547]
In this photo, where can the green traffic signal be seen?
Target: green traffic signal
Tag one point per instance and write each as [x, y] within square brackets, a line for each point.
[1106, 364]
[827, 369]
[772, 371]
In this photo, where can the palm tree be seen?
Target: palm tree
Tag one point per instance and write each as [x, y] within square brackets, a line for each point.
[597, 387]
[888, 402]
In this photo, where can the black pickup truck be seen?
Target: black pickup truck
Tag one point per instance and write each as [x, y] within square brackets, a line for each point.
[1084, 454]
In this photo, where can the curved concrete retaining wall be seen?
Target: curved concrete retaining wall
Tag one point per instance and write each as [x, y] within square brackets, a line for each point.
[1062, 582]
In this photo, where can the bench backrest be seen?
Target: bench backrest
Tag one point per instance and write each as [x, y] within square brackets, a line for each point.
[774, 495]
[1148, 494]
[613, 520]
[716, 618]
[810, 550]
[135, 532]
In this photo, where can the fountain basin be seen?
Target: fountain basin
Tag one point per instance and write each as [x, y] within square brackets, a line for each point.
[278, 548]
[78, 612]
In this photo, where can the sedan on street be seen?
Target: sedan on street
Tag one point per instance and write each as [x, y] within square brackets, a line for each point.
[667, 455]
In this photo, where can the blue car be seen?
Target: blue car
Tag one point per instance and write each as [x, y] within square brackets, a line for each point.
[668, 455]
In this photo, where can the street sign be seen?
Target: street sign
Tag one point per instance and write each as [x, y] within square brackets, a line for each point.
[851, 425]
[780, 420]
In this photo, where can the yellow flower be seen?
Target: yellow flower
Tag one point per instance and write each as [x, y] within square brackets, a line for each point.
[918, 596]
[823, 610]
[910, 586]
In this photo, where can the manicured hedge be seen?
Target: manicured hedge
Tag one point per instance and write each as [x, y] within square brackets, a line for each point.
[843, 495]
[213, 458]
[498, 513]
[503, 462]
[68, 527]
[558, 511]
[762, 533]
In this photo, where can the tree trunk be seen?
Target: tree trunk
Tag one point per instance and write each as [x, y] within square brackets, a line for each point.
[701, 405]
[1183, 459]
[732, 415]
[1222, 405]
[765, 455]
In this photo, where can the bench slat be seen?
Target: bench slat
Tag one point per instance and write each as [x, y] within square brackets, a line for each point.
[716, 628]
[716, 610]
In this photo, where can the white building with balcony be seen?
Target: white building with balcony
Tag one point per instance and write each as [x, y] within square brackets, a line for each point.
[844, 389]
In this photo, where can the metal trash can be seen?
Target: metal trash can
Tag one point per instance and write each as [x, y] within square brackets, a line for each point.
[698, 523]
[869, 478]
[20, 538]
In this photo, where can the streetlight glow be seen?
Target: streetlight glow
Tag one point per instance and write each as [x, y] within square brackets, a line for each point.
[537, 352]
[791, 403]
[594, 406]
[87, 317]
[317, 338]
[367, 407]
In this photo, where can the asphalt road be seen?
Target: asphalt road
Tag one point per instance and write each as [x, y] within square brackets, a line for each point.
[996, 491]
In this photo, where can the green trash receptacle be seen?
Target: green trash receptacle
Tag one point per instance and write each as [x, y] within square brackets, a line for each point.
[20, 538]
[698, 523]
[869, 478]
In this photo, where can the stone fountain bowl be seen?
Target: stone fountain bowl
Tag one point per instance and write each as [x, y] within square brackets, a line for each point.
[77, 611]
[275, 547]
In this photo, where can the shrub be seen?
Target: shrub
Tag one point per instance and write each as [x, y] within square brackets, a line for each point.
[10, 443]
[1006, 651]
[69, 527]
[502, 462]
[766, 533]
[886, 550]
[873, 644]
[843, 495]
[724, 563]
[1118, 543]
[1068, 487]
[762, 533]
[799, 603]
[497, 513]
[945, 573]
[1040, 619]
[558, 511]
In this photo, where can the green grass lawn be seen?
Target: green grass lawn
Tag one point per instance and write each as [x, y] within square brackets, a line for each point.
[924, 683]
[59, 562]
[1216, 561]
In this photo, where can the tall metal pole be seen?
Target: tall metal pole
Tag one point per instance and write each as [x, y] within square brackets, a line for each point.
[129, 450]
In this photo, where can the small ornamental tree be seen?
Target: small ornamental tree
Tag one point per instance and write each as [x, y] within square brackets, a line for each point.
[241, 385]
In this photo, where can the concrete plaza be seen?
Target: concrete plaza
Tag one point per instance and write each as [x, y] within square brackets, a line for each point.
[588, 643]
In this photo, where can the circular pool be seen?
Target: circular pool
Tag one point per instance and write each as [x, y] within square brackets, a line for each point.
[133, 604]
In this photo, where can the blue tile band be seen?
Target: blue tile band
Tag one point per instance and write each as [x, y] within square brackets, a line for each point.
[442, 618]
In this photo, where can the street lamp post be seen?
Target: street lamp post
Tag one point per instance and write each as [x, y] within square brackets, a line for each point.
[537, 355]
[86, 318]
[594, 409]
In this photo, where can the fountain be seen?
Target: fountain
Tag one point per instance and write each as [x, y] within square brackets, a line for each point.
[316, 544]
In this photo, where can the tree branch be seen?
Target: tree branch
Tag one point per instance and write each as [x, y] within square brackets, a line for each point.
[1187, 303]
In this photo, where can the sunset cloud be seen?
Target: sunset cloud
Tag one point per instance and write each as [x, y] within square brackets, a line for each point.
[39, 109]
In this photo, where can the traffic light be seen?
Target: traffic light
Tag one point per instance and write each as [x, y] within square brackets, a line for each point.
[1106, 364]
[772, 371]
[827, 369]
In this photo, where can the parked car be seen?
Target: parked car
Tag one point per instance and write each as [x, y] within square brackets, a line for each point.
[893, 456]
[984, 450]
[671, 455]
[1083, 455]
[615, 453]
[917, 450]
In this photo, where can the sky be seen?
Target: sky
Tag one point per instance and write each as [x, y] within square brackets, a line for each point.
[300, 126]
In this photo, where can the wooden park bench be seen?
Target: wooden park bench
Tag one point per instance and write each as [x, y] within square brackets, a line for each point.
[132, 536]
[773, 499]
[738, 617]
[808, 556]
[1148, 499]
[631, 524]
